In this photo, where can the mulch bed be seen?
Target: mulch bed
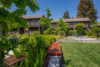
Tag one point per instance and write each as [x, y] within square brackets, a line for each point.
[11, 61]
[54, 49]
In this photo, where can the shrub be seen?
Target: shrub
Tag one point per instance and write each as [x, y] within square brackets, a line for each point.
[79, 28]
[34, 49]
[92, 36]
[90, 33]
[61, 33]
[49, 31]
[35, 33]
[84, 32]
[72, 33]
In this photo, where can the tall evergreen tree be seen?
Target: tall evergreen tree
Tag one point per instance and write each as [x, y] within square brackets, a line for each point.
[86, 9]
[66, 15]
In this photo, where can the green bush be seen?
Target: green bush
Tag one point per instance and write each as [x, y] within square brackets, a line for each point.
[90, 33]
[35, 33]
[72, 33]
[49, 31]
[84, 32]
[34, 49]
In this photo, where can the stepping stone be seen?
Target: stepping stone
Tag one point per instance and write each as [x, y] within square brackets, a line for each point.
[54, 61]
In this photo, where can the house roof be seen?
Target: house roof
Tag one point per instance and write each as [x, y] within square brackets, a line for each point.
[73, 20]
[33, 17]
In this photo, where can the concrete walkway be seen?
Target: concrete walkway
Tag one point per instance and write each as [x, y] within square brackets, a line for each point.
[54, 52]
[54, 61]
[79, 39]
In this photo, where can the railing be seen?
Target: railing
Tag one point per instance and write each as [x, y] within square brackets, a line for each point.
[33, 24]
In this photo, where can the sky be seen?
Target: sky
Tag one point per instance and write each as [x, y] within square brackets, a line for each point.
[58, 7]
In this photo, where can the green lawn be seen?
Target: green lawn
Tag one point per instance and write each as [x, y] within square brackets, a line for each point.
[81, 55]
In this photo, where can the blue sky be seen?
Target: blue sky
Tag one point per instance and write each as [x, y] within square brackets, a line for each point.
[57, 7]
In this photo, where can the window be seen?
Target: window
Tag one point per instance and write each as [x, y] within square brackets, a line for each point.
[75, 22]
[70, 23]
[53, 24]
[33, 20]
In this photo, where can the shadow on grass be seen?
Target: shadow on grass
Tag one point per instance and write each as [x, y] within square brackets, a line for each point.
[63, 63]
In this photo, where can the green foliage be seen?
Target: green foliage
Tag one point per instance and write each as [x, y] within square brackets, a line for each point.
[34, 49]
[90, 33]
[72, 33]
[46, 21]
[17, 54]
[79, 28]
[32, 4]
[96, 29]
[35, 33]
[49, 31]
[62, 28]
[84, 32]
[86, 9]
[9, 43]
[10, 20]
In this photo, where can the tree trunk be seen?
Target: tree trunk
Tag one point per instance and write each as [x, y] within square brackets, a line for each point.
[2, 58]
[81, 37]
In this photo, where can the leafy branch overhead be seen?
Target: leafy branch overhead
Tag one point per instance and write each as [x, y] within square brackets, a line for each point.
[10, 20]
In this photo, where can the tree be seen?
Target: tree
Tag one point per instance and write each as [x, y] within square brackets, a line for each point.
[86, 9]
[49, 31]
[46, 21]
[62, 27]
[10, 20]
[66, 15]
[96, 29]
[79, 28]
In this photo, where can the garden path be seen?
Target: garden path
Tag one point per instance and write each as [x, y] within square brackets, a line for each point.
[84, 39]
[54, 52]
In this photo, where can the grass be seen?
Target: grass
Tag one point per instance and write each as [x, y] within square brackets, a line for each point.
[81, 55]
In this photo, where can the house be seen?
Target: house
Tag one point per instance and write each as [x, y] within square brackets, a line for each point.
[33, 22]
[72, 22]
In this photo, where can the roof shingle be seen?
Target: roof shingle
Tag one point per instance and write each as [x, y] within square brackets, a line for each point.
[73, 20]
[33, 17]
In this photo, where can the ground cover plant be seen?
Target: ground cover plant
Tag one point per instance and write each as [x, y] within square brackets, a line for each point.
[81, 55]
